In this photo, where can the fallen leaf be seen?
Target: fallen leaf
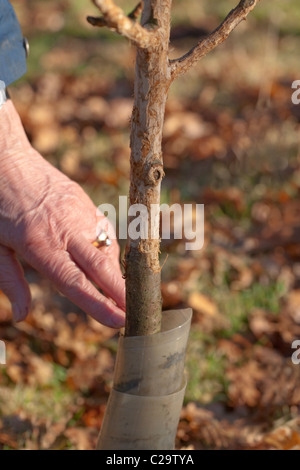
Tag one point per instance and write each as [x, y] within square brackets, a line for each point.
[202, 304]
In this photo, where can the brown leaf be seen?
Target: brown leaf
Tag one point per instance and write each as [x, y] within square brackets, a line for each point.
[229, 195]
[88, 373]
[243, 384]
[81, 438]
[202, 304]
[172, 294]
[40, 372]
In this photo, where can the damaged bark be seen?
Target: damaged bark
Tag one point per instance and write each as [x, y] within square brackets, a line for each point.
[143, 277]
[154, 75]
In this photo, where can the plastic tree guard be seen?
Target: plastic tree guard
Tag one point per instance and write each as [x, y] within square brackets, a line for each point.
[144, 406]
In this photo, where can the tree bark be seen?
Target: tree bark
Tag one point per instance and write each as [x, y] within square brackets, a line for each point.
[152, 80]
[154, 75]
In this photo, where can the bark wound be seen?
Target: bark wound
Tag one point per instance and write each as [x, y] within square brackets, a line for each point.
[154, 174]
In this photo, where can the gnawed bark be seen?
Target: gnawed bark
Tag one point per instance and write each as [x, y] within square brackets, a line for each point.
[154, 75]
[143, 279]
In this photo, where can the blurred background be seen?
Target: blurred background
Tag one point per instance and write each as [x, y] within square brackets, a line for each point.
[231, 141]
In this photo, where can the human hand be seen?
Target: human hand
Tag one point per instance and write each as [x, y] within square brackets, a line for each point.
[50, 221]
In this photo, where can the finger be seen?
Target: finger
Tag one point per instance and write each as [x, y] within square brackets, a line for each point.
[13, 284]
[73, 283]
[101, 266]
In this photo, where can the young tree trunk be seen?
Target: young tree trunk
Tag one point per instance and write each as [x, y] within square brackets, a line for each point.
[154, 75]
[152, 79]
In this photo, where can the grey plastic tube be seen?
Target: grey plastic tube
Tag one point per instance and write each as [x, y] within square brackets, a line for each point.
[144, 406]
[135, 422]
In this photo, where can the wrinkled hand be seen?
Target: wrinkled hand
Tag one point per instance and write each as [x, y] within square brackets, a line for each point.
[50, 222]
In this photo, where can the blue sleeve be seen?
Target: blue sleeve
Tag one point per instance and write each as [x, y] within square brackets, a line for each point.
[12, 51]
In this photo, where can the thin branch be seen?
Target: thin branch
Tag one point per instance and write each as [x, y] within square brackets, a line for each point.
[136, 11]
[115, 19]
[234, 18]
[101, 22]
[95, 21]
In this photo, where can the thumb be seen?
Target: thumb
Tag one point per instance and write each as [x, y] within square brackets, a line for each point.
[13, 283]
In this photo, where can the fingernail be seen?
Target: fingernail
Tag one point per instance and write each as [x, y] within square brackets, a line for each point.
[17, 313]
[118, 322]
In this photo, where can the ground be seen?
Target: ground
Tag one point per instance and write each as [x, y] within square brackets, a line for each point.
[231, 141]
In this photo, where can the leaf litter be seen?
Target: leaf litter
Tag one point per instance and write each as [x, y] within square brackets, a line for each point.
[230, 143]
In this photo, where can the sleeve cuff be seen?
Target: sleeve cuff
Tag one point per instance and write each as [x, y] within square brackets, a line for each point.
[12, 50]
